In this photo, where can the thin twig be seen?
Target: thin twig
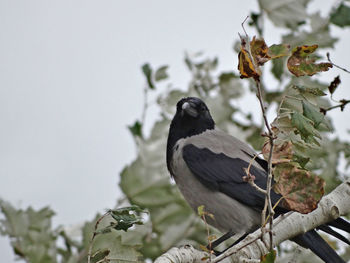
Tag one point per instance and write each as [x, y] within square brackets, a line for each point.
[250, 178]
[243, 26]
[344, 69]
[271, 137]
[145, 105]
[95, 234]
[342, 104]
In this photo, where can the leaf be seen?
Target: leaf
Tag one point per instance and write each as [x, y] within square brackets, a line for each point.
[126, 217]
[161, 73]
[304, 126]
[255, 20]
[278, 68]
[312, 112]
[285, 13]
[111, 248]
[246, 66]
[269, 257]
[282, 152]
[300, 64]
[301, 189]
[319, 33]
[341, 15]
[31, 233]
[136, 129]
[259, 51]
[308, 90]
[230, 85]
[278, 51]
[147, 71]
[334, 84]
[200, 210]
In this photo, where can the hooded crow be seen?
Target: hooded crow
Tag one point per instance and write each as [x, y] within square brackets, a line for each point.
[208, 168]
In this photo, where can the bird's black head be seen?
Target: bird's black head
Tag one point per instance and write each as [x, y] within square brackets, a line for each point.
[192, 117]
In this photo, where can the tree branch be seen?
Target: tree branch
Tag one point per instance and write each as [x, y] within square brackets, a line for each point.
[287, 226]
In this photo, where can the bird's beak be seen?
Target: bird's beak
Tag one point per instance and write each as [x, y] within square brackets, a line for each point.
[186, 107]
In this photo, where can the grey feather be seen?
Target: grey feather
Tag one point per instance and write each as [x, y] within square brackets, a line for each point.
[225, 209]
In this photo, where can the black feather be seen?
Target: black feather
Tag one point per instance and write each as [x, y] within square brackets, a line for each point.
[225, 174]
[316, 244]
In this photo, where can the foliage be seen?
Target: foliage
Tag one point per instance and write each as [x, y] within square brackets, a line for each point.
[303, 145]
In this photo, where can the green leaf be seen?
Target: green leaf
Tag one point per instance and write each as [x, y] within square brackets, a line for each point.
[278, 68]
[136, 129]
[111, 248]
[269, 257]
[126, 217]
[32, 236]
[147, 71]
[304, 126]
[313, 113]
[341, 15]
[255, 20]
[308, 90]
[319, 33]
[277, 51]
[230, 85]
[161, 73]
[200, 210]
[285, 13]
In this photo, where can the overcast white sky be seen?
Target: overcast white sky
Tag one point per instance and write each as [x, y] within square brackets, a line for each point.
[70, 83]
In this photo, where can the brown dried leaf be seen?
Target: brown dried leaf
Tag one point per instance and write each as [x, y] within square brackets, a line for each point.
[301, 189]
[282, 151]
[300, 64]
[259, 51]
[246, 65]
[334, 84]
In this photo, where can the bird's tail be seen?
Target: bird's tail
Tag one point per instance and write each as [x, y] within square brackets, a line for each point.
[319, 246]
[340, 223]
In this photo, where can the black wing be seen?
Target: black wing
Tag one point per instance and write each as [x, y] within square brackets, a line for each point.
[225, 174]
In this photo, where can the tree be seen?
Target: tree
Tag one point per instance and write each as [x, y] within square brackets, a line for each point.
[301, 125]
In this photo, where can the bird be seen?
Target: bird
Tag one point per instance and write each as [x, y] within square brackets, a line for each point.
[208, 164]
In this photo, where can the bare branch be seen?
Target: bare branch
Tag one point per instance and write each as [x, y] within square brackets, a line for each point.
[342, 104]
[344, 69]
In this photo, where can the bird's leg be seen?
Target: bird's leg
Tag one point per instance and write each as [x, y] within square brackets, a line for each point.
[218, 241]
[217, 253]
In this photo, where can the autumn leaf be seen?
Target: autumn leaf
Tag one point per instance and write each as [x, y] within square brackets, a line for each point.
[300, 63]
[334, 84]
[301, 189]
[246, 66]
[282, 152]
[259, 51]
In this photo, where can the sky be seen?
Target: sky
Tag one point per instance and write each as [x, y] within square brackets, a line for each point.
[70, 83]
